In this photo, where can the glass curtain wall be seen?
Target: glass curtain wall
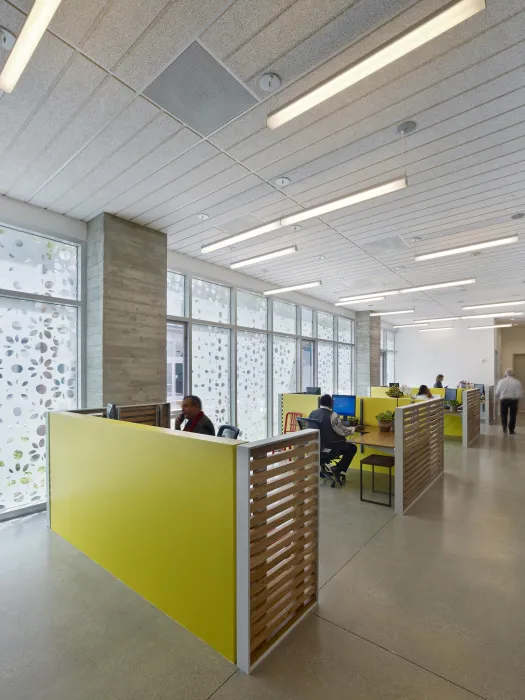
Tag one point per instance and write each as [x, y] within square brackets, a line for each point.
[39, 329]
[244, 350]
[388, 357]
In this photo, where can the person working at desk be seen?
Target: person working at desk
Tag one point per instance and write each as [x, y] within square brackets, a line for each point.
[334, 434]
[438, 384]
[196, 421]
[509, 391]
[424, 392]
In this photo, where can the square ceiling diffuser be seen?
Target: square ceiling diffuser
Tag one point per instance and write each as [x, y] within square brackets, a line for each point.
[199, 91]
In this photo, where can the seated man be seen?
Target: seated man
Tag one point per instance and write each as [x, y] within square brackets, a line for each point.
[196, 421]
[333, 435]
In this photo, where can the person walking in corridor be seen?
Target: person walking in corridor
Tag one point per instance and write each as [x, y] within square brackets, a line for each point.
[509, 391]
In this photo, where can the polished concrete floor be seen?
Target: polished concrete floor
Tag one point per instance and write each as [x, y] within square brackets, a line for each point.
[429, 606]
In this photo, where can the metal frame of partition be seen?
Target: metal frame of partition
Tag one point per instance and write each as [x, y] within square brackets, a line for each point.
[419, 450]
[277, 540]
[471, 416]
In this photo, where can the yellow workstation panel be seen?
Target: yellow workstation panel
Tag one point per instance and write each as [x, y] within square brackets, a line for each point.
[404, 401]
[298, 403]
[435, 392]
[378, 392]
[373, 406]
[453, 424]
[156, 509]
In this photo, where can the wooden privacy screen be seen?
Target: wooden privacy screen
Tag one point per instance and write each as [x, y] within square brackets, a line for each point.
[419, 450]
[277, 539]
[471, 416]
[157, 414]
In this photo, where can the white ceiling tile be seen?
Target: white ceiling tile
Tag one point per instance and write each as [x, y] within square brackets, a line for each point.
[168, 35]
[131, 120]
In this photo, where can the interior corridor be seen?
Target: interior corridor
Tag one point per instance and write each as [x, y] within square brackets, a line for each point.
[426, 606]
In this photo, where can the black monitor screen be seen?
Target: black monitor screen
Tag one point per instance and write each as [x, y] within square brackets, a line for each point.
[313, 390]
[344, 405]
[450, 394]
[481, 387]
[396, 384]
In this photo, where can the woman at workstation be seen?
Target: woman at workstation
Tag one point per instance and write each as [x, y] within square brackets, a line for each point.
[424, 392]
[438, 384]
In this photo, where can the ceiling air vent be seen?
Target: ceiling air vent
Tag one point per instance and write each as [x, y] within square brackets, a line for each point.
[198, 91]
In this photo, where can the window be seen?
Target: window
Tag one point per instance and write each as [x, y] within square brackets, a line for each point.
[345, 330]
[325, 326]
[325, 367]
[252, 310]
[176, 294]
[210, 302]
[307, 323]
[38, 357]
[307, 364]
[176, 342]
[210, 360]
[252, 385]
[284, 373]
[344, 369]
[284, 317]
[388, 357]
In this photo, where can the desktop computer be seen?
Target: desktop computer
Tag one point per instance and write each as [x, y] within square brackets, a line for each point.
[344, 405]
[450, 394]
[316, 390]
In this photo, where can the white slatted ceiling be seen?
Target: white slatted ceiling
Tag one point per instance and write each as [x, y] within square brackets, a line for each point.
[79, 141]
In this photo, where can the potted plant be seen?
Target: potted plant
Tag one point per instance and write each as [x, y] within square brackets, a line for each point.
[384, 421]
[394, 392]
[454, 405]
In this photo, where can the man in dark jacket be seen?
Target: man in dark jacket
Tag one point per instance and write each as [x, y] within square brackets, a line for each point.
[334, 434]
[196, 421]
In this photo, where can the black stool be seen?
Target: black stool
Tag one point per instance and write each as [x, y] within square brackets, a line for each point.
[377, 461]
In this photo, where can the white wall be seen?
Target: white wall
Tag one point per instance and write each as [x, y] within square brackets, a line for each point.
[37, 220]
[458, 354]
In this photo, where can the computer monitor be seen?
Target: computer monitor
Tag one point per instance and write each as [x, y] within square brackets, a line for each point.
[391, 384]
[450, 394]
[481, 388]
[344, 405]
[313, 390]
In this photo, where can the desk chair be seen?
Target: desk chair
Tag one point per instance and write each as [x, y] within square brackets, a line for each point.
[290, 422]
[228, 431]
[327, 457]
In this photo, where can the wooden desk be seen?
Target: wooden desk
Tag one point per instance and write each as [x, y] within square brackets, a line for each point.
[386, 442]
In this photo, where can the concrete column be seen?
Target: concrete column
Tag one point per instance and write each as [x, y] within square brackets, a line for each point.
[126, 313]
[368, 352]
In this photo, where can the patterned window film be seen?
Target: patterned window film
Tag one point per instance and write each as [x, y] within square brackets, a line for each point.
[176, 294]
[252, 384]
[252, 310]
[211, 371]
[210, 302]
[325, 367]
[284, 373]
[284, 317]
[325, 326]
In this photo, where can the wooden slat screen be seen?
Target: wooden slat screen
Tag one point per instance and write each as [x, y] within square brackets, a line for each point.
[419, 450]
[282, 480]
[148, 414]
[471, 416]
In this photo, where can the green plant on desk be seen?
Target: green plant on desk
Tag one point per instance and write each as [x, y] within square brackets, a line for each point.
[394, 392]
[454, 405]
[384, 421]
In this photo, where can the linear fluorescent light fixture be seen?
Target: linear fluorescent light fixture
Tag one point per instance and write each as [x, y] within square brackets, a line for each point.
[32, 32]
[263, 258]
[311, 213]
[365, 297]
[438, 320]
[437, 23]
[360, 301]
[441, 285]
[500, 314]
[393, 313]
[467, 248]
[433, 330]
[411, 325]
[480, 328]
[493, 306]
[306, 285]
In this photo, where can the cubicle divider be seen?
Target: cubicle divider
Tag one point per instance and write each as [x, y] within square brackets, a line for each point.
[471, 416]
[277, 540]
[158, 509]
[156, 414]
[419, 450]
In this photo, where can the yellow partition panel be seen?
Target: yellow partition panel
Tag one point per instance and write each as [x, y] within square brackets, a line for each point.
[459, 395]
[156, 508]
[404, 401]
[435, 392]
[378, 392]
[453, 424]
[373, 406]
[298, 403]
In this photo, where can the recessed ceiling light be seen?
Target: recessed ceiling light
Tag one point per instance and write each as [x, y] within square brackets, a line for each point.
[32, 32]
[281, 290]
[394, 313]
[516, 217]
[467, 248]
[406, 128]
[437, 23]
[282, 181]
[269, 82]
[296, 227]
[203, 217]
[495, 305]
[262, 258]
[480, 328]
[311, 213]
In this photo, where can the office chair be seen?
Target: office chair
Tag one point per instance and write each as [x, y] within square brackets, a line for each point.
[326, 458]
[228, 431]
